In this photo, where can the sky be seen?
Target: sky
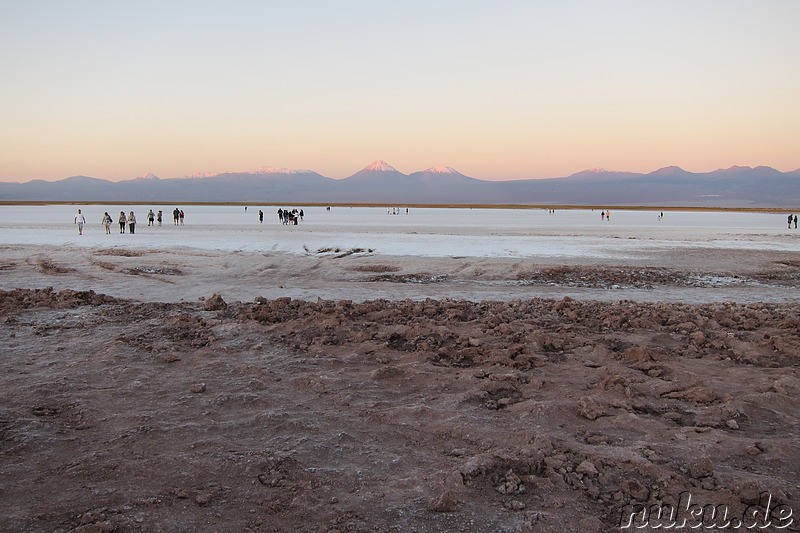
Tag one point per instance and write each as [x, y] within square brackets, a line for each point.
[497, 90]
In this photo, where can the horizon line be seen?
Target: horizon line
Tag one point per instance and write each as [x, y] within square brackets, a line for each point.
[267, 169]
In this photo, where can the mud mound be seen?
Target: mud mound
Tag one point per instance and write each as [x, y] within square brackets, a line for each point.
[12, 301]
[523, 332]
[434, 415]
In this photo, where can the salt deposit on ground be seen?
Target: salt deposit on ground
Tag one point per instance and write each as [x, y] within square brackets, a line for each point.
[459, 253]
[431, 232]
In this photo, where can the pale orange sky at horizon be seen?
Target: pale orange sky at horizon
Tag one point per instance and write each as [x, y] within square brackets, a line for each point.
[500, 91]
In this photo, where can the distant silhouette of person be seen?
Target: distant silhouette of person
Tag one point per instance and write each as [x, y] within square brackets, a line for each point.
[122, 221]
[160, 217]
[180, 216]
[602, 215]
[132, 223]
[80, 220]
[261, 216]
[790, 220]
[151, 218]
[176, 215]
[795, 222]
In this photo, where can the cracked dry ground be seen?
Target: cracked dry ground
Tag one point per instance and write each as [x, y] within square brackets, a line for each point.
[436, 415]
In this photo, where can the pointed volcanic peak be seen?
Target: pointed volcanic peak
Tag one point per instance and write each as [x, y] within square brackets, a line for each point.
[380, 166]
[377, 171]
[147, 177]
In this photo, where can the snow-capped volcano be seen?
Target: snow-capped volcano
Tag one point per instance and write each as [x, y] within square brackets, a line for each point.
[590, 171]
[377, 172]
[381, 178]
[441, 170]
[380, 166]
[440, 177]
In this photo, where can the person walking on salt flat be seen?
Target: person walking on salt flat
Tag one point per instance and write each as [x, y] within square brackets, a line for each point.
[80, 220]
[107, 221]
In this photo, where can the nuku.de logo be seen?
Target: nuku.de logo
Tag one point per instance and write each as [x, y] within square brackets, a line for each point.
[688, 515]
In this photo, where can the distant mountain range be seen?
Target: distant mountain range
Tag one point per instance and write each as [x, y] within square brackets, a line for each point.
[381, 183]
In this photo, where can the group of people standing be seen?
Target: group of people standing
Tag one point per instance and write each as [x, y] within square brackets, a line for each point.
[287, 217]
[792, 218]
[128, 221]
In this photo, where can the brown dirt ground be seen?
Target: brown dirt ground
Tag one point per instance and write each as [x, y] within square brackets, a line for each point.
[389, 414]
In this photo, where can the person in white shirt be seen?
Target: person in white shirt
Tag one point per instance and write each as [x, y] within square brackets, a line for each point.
[80, 220]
